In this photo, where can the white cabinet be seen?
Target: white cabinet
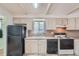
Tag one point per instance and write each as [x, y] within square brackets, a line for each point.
[64, 21]
[77, 23]
[42, 47]
[31, 46]
[50, 24]
[71, 24]
[28, 44]
[76, 46]
[61, 21]
[35, 47]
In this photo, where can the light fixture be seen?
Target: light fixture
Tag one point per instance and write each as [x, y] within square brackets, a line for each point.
[35, 5]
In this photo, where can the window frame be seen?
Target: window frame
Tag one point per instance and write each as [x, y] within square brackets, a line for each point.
[39, 21]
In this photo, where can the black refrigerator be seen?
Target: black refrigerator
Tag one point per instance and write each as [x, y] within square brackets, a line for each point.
[15, 40]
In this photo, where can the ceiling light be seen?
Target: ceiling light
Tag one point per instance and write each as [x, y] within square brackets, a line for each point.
[35, 5]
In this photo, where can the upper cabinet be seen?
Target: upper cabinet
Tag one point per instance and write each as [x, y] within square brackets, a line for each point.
[71, 25]
[77, 23]
[64, 21]
[61, 21]
[50, 24]
[58, 22]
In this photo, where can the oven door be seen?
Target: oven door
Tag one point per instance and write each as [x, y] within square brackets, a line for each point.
[66, 46]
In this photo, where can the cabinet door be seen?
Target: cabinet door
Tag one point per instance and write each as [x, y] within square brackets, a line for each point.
[76, 46]
[42, 47]
[59, 22]
[77, 23]
[31, 46]
[28, 46]
[50, 24]
[34, 46]
[71, 24]
[64, 21]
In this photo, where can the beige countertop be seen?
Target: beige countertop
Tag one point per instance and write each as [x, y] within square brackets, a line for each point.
[40, 37]
[43, 37]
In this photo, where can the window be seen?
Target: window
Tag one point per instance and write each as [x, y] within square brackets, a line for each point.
[39, 27]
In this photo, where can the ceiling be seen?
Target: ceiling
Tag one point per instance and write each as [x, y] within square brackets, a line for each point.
[43, 8]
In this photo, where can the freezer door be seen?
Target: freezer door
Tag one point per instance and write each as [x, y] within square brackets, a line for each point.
[14, 30]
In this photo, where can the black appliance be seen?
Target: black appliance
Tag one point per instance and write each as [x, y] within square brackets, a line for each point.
[52, 46]
[15, 40]
[66, 44]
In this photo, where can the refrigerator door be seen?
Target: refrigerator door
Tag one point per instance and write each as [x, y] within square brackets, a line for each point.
[14, 46]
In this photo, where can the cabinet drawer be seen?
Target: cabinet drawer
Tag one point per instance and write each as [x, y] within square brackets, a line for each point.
[42, 46]
[31, 46]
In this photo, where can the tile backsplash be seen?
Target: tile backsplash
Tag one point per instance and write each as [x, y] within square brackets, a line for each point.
[73, 33]
[70, 33]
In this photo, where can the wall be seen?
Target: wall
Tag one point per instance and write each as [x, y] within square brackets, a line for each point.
[7, 20]
[24, 21]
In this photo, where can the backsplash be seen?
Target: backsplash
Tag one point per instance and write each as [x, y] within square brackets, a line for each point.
[70, 33]
[73, 33]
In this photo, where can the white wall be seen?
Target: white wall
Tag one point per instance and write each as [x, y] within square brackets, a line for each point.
[7, 20]
[7, 14]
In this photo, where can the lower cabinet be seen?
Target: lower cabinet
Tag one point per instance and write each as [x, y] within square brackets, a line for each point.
[76, 47]
[35, 47]
[31, 46]
[42, 47]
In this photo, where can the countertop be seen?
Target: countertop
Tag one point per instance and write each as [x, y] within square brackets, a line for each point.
[44, 37]
[40, 37]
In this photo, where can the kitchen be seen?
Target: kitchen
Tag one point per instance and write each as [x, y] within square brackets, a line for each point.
[51, 28]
